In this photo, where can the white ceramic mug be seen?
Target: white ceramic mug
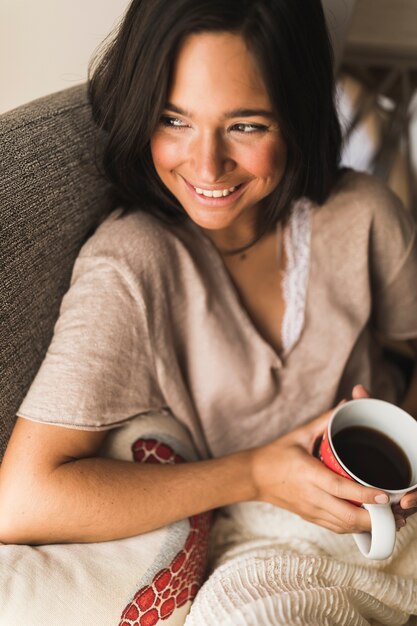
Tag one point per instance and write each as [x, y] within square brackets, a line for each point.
[400, 427]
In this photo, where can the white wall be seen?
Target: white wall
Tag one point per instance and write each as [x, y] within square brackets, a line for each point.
[45, 45]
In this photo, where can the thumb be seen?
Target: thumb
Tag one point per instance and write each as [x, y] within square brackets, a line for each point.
[314, 429]
[359, 392]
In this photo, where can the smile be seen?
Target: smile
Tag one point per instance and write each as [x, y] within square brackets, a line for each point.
[215, 193]
[220, 197]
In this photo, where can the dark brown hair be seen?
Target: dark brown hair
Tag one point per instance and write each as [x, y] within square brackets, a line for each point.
[129, 83]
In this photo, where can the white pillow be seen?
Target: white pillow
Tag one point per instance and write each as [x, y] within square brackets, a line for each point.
[144, 580]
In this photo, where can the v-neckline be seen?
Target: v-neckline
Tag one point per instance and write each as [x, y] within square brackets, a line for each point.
[277, 358]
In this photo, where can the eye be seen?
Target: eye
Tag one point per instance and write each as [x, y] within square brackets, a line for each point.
[247, 129]
[172, 122]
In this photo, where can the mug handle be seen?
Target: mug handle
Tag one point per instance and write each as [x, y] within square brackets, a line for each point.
[379, 544]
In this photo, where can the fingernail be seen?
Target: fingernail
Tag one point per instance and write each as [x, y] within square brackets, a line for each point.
[411, 504]
[382, 498]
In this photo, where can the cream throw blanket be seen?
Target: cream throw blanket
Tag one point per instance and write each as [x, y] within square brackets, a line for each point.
[271, 568]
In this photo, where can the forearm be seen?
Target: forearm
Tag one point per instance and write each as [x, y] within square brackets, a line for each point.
[54, 488]
[98, 499]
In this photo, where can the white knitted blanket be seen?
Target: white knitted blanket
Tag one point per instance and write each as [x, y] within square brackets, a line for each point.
[271, 568]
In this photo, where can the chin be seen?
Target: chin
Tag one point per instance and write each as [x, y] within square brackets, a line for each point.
[210, 219]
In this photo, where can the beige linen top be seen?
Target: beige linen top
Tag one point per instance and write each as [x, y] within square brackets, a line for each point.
[152, 321]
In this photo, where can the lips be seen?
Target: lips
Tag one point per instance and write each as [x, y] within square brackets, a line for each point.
[216, 196]
[215, 193]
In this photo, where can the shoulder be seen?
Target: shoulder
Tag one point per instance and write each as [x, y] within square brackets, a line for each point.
[361, 202]
[364, 194]
[123, 234]
[144, 252]
[364, 230]
[133, 239]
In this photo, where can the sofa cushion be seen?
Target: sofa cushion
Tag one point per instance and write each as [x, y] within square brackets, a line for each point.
[139, 581]
[52, 195]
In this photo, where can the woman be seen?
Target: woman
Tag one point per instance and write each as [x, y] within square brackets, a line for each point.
[240, 289]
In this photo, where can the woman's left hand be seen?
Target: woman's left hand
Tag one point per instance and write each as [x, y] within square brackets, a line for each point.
[408, 504]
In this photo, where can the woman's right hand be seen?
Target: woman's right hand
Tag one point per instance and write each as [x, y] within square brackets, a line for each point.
[287, 475]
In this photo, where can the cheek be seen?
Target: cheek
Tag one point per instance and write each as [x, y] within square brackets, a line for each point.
[266, 161]
[164, 153]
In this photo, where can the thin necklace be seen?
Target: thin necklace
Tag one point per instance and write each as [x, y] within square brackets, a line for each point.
[279, 239]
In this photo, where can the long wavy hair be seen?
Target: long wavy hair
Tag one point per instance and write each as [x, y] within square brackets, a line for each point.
[129, 81]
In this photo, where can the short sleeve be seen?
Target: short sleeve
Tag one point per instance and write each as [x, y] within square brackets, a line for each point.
[98, 370]
[394, 270]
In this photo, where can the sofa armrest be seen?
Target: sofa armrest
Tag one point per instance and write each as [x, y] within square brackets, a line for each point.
[52, 195]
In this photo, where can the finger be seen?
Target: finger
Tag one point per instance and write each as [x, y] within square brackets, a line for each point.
[409, 512]
[359, 391]
[307, 434]
[323, 519]
[343, 515]
[326, 518]
[398, 511]
[347, 517]
[409, 501]
[344, 488]
[401, 515]
[324, 522]
[348, 520]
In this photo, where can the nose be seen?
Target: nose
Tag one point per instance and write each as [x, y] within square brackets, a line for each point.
[209, 158]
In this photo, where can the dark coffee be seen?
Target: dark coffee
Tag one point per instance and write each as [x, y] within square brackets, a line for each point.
[373, 457]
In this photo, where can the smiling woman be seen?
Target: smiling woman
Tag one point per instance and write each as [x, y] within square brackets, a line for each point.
[241, 289]
[225, 154]
[283, 66]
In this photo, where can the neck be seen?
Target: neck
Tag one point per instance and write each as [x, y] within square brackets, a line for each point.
[234, 237]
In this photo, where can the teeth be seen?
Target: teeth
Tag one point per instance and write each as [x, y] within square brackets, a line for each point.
[215, 193]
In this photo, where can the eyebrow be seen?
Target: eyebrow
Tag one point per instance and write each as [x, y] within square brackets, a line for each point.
[228, 115]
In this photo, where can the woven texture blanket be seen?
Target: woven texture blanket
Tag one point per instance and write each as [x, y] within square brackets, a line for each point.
[270, 567]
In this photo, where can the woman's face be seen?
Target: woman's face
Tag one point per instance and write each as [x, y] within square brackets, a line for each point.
[218, 147]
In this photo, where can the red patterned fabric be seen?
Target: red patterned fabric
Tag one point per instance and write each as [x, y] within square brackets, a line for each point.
[174, 585]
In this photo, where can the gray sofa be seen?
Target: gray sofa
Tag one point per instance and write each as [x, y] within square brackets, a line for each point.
[52, 195]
